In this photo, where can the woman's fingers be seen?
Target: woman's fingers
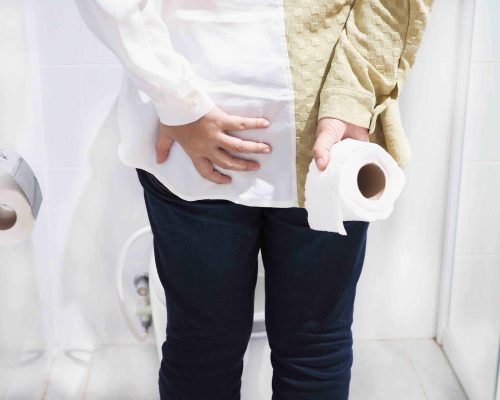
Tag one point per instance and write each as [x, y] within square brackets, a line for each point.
[321, 149]
[331, 131]
[328, 133]
[208, 145]
[237, 123]
[163, 143]
[225, 160]
[238, 145]
[206, 169]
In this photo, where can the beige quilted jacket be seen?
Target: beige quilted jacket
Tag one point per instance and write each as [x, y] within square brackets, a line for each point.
[349, 60]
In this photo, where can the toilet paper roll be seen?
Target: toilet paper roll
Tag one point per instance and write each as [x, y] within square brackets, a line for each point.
[360, 183]
[20, 198]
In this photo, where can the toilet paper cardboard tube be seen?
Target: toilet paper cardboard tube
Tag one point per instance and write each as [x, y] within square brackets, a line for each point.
[371, 181]
[8, 217]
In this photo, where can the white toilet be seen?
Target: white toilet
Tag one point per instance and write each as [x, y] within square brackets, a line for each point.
[257, 370]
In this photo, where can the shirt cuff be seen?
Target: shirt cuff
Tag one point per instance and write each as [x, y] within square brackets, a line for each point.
[188, 109]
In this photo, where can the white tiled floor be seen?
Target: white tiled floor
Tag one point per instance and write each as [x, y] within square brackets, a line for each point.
[410, 369]
[123, 372]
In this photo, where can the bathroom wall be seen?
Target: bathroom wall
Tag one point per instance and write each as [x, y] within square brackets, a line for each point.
[96, 202]
[26, 323]
[472, 335]
[398, 291]
[57, 291]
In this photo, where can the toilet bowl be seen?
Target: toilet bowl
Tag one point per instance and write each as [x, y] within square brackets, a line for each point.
[257, 369]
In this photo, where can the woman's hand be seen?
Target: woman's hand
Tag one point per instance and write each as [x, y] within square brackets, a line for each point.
[206, 143]
[331, 131]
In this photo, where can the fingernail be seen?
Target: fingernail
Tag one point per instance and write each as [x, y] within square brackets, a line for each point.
[267, 150]
[265, 124]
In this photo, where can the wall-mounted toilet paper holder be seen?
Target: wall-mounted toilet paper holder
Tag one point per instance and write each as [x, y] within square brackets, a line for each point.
[12, 163]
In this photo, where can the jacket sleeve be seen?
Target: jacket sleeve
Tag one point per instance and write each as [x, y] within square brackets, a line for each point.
[135, 32]
[370, 62]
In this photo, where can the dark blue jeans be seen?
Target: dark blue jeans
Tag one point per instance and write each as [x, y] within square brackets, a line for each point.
[206, 254]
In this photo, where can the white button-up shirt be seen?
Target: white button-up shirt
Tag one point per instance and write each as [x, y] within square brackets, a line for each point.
[181, 59]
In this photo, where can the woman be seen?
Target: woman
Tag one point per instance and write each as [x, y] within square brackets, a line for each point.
[224, 105]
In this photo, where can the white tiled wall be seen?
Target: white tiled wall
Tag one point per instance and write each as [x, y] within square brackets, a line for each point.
[96, 202]
[474, 323]
[397, 294]
[26, 324]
